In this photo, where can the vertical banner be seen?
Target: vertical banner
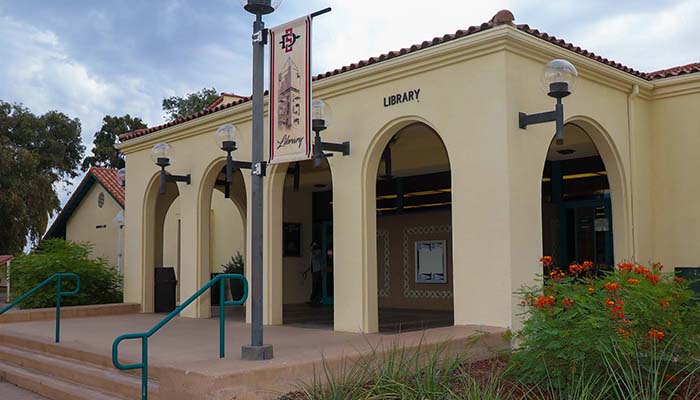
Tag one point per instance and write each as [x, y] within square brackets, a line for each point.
[290, 91]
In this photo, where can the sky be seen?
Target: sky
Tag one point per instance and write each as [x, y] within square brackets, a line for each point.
[90, 58]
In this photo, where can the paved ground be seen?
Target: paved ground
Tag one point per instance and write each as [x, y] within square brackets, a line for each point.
[9, 391]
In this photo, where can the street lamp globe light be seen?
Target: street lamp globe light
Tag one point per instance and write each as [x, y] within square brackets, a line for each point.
[321, 115]
[121, 177]
[260, 7]
[162, 154]
[559, 78]
[227, 137]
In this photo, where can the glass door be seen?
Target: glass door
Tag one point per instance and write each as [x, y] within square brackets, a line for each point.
[588, 232]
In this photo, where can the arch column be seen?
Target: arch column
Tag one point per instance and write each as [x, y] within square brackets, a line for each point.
[273, 275]
[194, 273]
[354, 225]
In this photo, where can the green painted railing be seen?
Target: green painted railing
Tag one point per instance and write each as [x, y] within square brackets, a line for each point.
[59, 293]
[143, 365]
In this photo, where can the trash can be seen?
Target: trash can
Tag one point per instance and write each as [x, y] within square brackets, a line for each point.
[166, 284]
[214, 292]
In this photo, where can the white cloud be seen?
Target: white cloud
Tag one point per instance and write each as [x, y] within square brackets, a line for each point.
[359, 29]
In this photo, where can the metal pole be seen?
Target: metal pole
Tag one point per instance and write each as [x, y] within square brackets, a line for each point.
[257, 350]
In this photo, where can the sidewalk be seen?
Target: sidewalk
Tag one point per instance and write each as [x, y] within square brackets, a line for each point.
[9, 391]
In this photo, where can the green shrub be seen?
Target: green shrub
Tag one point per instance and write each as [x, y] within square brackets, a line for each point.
[573, 318]
[99, 282]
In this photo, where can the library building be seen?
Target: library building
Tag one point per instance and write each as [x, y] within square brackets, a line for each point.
[440, 174]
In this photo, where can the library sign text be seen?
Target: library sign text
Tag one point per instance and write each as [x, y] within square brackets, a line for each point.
[405, 97]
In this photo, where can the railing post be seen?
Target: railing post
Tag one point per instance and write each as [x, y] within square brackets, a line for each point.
[144, 368]
[222, 319]
[58, 309]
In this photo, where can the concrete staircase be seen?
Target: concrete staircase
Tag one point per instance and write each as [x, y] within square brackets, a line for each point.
[62, 373]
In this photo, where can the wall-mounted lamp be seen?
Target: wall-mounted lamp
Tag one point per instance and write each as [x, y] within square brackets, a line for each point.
[227, 138]
[162, 156]
[320, 119]
[559, 80]
[121, 177]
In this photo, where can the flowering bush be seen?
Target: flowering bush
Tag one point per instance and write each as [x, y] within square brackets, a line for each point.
[574, 318]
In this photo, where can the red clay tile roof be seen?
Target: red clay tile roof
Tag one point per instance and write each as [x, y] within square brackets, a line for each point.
[503, 17]
[675, 71]
[221, 98]
[5, 258]
[107, 177]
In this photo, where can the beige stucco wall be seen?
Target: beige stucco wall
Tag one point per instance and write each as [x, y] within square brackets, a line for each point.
[471, 92]
[676, 187]
[82, 225]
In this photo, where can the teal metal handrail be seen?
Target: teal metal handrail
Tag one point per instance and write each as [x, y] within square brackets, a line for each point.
[59, 293]
[143, 365]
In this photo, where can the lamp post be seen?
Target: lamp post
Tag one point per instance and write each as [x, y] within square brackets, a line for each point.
[257, 350]
[559, 81]
[321, 114]
[162, 156]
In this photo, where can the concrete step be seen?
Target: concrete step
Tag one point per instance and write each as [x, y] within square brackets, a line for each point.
[48, 386]
[108, 380]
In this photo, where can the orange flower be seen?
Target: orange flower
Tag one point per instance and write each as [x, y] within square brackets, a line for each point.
[664, 303]
[656, 334]
[612, 287]
[654, 279]
[544, 302]
[678, 279]
[641, 270]
[616, 308]
[633, 281]
[575, 268]
[590, 289]
[624, 332]
[567, 302]
[625, 266]
[546, 261]
[587, 264]
[557, 275]
[657, 266]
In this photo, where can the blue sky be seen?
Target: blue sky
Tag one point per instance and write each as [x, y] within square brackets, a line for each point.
[90, 58]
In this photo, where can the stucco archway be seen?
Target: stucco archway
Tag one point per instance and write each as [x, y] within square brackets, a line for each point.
[617, 180]
[370, 166]
[213, 214]
[156, 206]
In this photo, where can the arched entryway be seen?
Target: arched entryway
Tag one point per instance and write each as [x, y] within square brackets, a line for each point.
[162, 242]
[582, 195]
[307, 245]
[413, 211]
[223, 228]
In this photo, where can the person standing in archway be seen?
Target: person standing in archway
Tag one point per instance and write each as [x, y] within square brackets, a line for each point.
[315, 266]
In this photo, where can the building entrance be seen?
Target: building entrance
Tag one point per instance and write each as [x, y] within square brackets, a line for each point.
[323, 236]
[577, 223]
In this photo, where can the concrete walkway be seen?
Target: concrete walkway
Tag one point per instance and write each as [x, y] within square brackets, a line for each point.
[184, 354]
[9, 391]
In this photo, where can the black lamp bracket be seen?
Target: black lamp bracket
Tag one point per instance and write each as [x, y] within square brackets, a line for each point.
[548, 116]
[165, 178]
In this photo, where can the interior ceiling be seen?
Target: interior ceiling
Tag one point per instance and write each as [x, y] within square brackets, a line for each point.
[575, 138]
[416, 150]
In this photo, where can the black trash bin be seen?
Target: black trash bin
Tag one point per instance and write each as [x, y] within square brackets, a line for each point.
[214, 292]
[166, 284]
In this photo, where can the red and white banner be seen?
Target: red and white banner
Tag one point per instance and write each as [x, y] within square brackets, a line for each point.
[290, 91]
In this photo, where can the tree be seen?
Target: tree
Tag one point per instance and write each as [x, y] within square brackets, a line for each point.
[104, 154]
[36, 152]
[177, 107]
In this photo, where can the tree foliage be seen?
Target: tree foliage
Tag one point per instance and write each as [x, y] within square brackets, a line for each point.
[104, 154]
[36, 152]
[177, 106]
[99, 282]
